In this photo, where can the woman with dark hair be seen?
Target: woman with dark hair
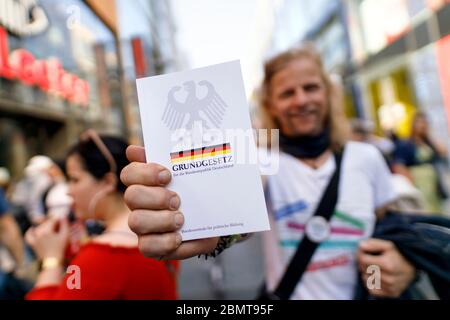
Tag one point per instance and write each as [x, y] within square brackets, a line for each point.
[109, 266]
[418, 159]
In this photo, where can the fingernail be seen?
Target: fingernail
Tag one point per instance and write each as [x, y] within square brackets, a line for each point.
[164, 177]
[178, 239]
[179, 220]
[174, 203]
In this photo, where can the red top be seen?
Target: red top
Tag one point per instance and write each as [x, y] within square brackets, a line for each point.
[108, 273]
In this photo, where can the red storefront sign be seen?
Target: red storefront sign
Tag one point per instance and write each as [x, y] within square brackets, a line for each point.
[139, 57]
[48, 75]
[443, 52]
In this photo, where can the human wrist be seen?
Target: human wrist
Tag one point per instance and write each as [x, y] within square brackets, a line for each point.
[44, 253]
[51, 262]
[224, 242]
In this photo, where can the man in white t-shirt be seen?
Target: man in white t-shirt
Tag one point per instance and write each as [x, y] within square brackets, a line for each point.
[298, 98]
[295, 192]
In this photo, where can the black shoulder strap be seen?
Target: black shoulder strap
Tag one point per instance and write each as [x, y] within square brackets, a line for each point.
[306, 248]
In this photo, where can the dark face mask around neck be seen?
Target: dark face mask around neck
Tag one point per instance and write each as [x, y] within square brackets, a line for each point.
[305, 147]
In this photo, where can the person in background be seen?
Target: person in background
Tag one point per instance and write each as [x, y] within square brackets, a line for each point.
[36, 184]
[41, 193]
[409, 198]
[298, 98]
[110, 265]
[418, 159]
[5, 179]
[11, 239]
[57, 202]
[363, 131]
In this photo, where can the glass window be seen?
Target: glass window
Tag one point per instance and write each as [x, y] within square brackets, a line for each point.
[73, 37]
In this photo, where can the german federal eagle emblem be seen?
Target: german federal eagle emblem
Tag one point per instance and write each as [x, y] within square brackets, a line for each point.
[208, 110]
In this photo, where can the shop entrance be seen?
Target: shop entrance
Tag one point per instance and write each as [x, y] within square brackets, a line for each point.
[393, 102]
[23, 136]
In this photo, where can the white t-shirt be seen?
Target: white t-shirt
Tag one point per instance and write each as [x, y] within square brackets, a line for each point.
[295, 192]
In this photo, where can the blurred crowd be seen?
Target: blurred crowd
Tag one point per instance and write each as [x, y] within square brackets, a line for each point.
[419, 164]
[70, 212]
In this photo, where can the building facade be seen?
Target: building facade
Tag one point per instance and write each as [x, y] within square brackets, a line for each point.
[59, 74]
[400, 66]
[148, 48]
[390, 55]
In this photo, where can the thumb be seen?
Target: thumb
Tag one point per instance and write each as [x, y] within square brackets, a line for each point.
[30, 237]
[375, 246]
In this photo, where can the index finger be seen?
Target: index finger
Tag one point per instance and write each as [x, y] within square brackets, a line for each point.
[367, 260]
[30, 236]
[374, 245]
[136, 154]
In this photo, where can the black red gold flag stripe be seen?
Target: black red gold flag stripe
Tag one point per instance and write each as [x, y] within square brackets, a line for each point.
[202, 152]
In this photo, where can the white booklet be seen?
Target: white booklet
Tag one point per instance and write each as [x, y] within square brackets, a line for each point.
[197, 124]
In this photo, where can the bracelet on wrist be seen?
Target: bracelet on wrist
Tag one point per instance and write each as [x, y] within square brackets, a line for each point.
[50, 263]
[224, 243]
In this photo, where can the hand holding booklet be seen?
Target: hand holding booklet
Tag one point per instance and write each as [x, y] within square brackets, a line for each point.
[197, 124]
